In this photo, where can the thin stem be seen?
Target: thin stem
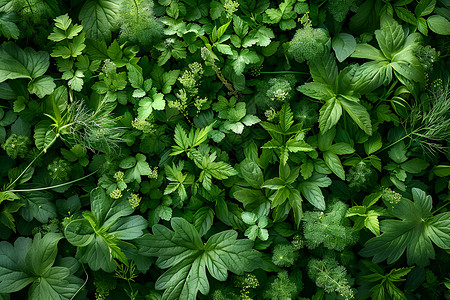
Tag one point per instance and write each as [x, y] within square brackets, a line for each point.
[53, 186]
[440, 208]
[284, 72]
[85, 282]
[31, 163]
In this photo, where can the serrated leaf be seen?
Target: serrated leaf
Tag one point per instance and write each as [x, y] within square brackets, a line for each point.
[99, 18]
[17, 63]
[330, 113]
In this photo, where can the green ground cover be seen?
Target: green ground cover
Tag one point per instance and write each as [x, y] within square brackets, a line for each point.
[225, 149]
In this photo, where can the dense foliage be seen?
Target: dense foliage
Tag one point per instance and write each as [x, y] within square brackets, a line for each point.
[225, 149]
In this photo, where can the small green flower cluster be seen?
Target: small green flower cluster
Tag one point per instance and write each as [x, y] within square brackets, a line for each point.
[427, 56]
[17, 146]
[121, 185]
[360, 176]
[391, 196]
[340, 8]
[329, 228]
[284, 255]
[190, 78]
[281, 88]
[134, 200]
[246, 283]
[59, 169]
[308, 43]
[144, 126]
[230, 7]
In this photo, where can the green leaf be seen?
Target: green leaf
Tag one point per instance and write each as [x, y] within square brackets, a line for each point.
[147, 104]
[438, 24]
[252, 173]
[245, 57]
[42, 253]
[38, 205]
[373, 144]
[343, 45]
[17, 63]
[405, 15]
[414, 166]
[42, 86]
[330, 113]
[414, 233]
[100, 232]
[398, 153]
[7, 26]
[99, 18]
[358, 113]
[334, 163]
[324, 69]
[203, 220]
[187, 258]
[32, 262]
[390, 37]
[13, 277]
[424, 7]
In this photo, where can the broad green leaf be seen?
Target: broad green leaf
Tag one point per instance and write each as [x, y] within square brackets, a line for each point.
[99, 18]
[243, 58]
[203, 220]
[424, 7]
[414, 233]
[438, 24]
[405, 15]
[324, 69]
[187, 258]
[38, 205]
[13, 276]
[42, 254]
[330, 113]
[251, 173]
[17, 63]
[343, 45]
[317, 91]
[7, 26]
[42, 86]
[358, 113]
[100, 232]
[414, 166]
[32, 262]
[390, 37]
[334, 163]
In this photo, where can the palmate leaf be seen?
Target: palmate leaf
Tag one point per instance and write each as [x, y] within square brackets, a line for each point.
[100, 232]
[414, 233]
[31, 261]
[183, 252]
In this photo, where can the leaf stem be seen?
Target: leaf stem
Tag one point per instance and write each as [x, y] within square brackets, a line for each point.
[53, 186]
